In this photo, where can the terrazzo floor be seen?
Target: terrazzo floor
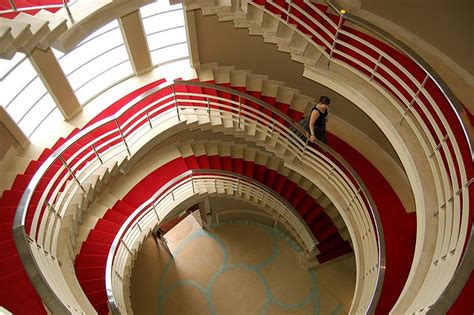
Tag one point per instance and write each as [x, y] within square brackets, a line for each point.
[235, 268]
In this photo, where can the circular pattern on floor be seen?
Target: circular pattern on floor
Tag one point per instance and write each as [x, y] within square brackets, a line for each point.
[237, 268]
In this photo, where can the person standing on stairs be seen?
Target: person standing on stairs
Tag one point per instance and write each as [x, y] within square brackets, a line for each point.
[318, 119]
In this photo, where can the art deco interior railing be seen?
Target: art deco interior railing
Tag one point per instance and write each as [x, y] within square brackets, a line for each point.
[423, 101]
[161, 207]
[47, 198]
[420, 96]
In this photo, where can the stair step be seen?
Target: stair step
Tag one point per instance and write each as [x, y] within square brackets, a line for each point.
[92, 285]
[38, 27]
[10, 265]
[28, 302]
[97, 297]
[99, 236]
[56, 25]
[123, 207]
[8, 248]
[89, 273]
[20, 32]
[107, 226]
[7, 214]
[7, 47]
[93, 248]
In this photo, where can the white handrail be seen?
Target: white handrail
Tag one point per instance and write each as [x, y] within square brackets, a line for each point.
[123, 135]
[160, 206]
[447, 152]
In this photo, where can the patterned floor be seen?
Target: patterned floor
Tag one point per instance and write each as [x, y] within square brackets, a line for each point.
[235, 268]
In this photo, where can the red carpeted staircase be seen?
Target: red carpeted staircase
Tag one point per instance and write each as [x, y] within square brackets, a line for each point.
[19, 296]
[16, 292]
[399, 238]
[383, 69]
[331, 244]
[90, 263]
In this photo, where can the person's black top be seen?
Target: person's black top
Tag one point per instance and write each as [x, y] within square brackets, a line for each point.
[321, 120]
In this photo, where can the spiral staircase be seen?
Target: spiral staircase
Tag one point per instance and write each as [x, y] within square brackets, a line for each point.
[72, 224]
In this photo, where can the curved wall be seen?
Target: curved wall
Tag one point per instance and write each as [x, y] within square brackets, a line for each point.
[447, 25]
[250, 52]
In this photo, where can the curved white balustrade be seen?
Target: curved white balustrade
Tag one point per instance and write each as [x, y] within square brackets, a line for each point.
[193, 185]
[69, 169]
[424, 102]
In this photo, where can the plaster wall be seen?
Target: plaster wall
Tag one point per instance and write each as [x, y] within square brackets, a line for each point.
[236, 47]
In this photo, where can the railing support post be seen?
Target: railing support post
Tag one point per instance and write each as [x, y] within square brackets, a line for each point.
[304, 148]
[275, 223]
[52, 209]
[121, 135]
[156, 212]
[372, 75]
[66, 6]
[288, 11]
[175, 101]
[72, 174]
[139, 227]
[13, 5]
[127, 248]
[97, 154]
[238, 187]
[118, 276]
[333, 46]
[412, 102]
[240, 109]
[208, 109]
[438, 146]
[148, 118]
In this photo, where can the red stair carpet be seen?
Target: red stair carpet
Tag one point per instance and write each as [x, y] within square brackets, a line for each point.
[399, 227]
[399, 238]
[23, 5]
[90, 263]
[399, 252]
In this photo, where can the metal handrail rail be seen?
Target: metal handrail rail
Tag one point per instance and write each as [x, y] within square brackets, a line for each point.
[193, 175]
[438, 83]
[21, 238]
[324, 148]
[42, 287]
[389, 38]
[459, 278]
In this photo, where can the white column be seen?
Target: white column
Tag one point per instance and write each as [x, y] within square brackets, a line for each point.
[10, 133]
[135, 40]
[190, 22]
[52, 75]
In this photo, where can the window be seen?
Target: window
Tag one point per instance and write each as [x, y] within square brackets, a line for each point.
[165, 31]
[97, 63]
[24, 95]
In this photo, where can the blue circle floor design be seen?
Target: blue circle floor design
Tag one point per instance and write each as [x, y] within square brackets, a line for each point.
[254, 274]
